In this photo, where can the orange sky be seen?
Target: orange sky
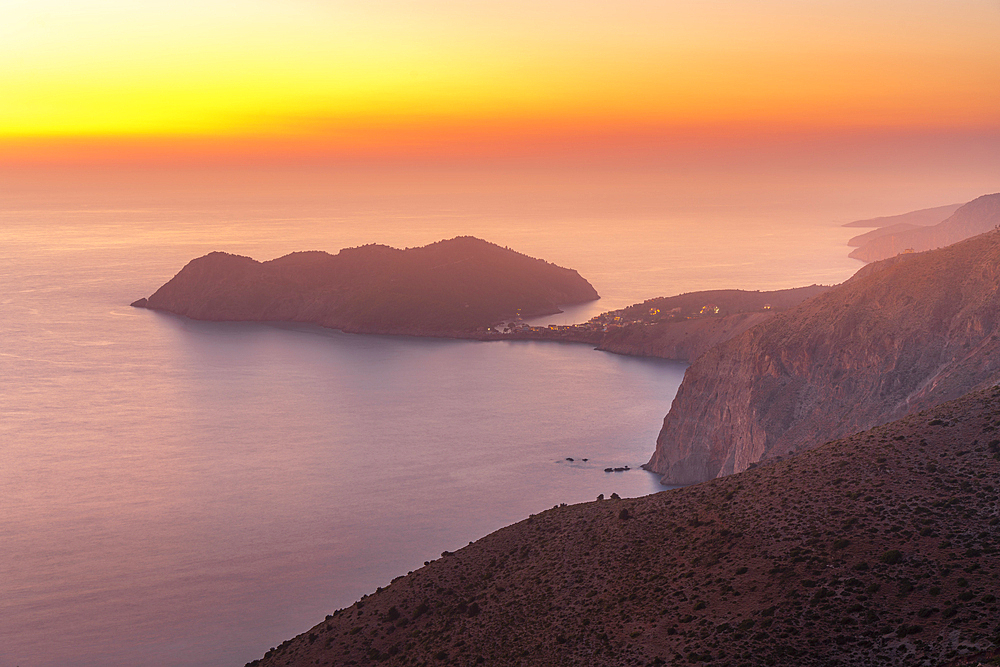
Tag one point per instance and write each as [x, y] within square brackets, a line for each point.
[108, 79]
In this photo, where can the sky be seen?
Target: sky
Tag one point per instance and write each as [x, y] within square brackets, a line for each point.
[287, 79]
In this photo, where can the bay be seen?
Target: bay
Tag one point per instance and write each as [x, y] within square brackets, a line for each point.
[189, 493]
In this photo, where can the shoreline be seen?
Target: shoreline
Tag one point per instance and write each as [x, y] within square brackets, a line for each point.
[680, 340]
[598, 340]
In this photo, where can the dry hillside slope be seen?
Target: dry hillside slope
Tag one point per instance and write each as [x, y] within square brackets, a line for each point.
[882, 548]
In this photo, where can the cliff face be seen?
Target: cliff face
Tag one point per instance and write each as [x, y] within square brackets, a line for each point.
[879, 549]
[977, 217]
[902, 334]
[447, 287]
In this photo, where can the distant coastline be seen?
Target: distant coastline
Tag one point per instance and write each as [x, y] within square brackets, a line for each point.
[926, 229]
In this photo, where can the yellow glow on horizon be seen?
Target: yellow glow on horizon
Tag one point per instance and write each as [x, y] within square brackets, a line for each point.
[259, 68]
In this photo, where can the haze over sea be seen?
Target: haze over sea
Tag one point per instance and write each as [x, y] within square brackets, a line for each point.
[187, 493]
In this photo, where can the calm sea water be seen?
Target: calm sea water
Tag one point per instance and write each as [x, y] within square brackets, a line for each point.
[184, 493]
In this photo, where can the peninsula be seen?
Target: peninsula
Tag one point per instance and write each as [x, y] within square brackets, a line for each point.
[450, 288]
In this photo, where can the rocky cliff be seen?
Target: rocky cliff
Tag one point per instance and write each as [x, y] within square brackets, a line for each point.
[901, 335]
[448, 287]
[879, 549]
[978, 216]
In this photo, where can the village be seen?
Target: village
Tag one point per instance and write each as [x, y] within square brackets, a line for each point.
[592, 331]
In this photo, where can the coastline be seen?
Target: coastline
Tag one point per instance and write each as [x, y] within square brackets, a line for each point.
[682, 341]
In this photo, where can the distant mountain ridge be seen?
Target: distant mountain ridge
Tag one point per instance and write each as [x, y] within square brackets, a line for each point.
[921, 218]
[902, 334]
[453, 286]
[978, 216]
[863, 239]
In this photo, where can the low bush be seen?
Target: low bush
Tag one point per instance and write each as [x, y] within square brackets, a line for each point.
[891, 557]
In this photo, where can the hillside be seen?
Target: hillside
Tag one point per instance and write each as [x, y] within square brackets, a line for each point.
[678, 327]
[978, 216]
[724, 301]
[877, 549]
[449, 287]
[685, 326]
[901, 335]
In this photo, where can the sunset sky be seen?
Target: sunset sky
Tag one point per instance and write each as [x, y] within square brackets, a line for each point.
[89, 78]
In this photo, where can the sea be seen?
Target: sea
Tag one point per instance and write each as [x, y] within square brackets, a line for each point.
[185, 493]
